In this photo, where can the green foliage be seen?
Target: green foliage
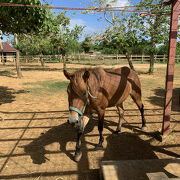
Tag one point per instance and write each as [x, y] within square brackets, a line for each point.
[23, 19]
[64, 36]
[163, 49]
[153, 27]
[60, 40]
[74, 47]
[131, 33]
[87, 44]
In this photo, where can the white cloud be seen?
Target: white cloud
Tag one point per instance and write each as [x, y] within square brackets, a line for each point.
[117, 3]
[80, 22]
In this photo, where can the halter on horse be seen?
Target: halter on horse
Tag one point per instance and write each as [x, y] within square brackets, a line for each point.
[93, 90]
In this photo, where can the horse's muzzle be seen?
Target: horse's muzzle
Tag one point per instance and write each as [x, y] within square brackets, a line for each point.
[72, 123]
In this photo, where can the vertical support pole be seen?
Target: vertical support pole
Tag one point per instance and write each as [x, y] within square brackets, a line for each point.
[170, 66]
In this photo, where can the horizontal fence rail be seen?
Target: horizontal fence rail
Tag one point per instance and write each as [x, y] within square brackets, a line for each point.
[88, 58]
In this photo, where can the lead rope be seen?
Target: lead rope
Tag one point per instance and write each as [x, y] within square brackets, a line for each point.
[94, 97]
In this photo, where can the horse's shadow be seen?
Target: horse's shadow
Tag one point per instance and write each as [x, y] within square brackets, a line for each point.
[61, 134]
[129, 146]
[36, 149]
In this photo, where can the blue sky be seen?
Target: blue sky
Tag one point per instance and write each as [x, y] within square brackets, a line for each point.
[89, 20]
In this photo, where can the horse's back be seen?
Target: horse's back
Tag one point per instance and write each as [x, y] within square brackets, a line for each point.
[124, 71]
[128, 74]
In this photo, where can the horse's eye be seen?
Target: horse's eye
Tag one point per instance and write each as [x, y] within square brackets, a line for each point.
[84, 93]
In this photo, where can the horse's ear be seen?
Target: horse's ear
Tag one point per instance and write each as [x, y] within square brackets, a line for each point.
[86, 76]
[67, 74]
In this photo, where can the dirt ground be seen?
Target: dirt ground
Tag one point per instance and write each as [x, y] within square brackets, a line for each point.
[37, 143]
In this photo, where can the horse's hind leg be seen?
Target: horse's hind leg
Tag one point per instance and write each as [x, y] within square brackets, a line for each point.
[121, 114]
[137, 99]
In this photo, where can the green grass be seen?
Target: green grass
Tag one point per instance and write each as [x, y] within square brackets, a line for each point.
[177, 65]
[48, 87]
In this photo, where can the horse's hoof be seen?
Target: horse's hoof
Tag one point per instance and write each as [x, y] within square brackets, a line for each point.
[144, 128]
[77, 157]
[117, 131]
[99, 147]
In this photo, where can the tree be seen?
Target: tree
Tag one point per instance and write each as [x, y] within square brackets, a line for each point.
[17, 20]
[154, 26]
[23, 19]
[121, 33]
[60, 40]
[63, 36]
[86, 44]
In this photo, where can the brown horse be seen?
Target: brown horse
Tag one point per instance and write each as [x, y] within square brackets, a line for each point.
[93, 90]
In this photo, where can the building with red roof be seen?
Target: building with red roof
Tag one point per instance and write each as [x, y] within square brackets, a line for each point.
[8, 52]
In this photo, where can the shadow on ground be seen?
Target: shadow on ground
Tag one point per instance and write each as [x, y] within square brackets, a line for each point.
[159, 95]
[39, 68]
[123, 146]
[63, 134]
[8, 95]
[128, 146]
[7, 73]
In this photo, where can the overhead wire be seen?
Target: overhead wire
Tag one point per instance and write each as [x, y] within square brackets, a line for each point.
[71, 8]
[99, 9]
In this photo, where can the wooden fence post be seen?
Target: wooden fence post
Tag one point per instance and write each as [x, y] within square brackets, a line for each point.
[164, 58]
[142, 59]
[155, 58]
[79, 57]
[103, 58]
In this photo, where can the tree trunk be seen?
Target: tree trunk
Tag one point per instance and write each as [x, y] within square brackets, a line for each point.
[151, 67]
[18, 68]
[64, 61]
[129, 61]
[42, 60]
[1, 45]
[2, 57]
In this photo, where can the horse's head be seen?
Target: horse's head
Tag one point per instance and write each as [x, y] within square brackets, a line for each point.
[77, 96]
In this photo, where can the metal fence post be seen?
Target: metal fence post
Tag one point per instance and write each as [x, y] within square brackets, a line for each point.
[170, 66]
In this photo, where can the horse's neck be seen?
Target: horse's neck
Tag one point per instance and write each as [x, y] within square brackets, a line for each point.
[106, 82]
[111, 83]
[95, 84]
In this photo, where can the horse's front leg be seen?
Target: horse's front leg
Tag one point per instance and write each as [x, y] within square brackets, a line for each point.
[82, 125]
[100, 128]
[78, 152]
